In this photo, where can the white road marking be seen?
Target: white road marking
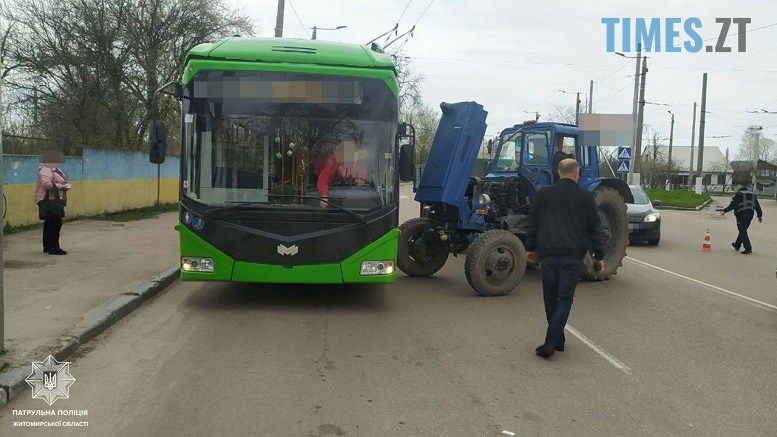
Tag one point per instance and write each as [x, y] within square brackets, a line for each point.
[603, 353]
[741, 297]
[403, 196]
[506, 432]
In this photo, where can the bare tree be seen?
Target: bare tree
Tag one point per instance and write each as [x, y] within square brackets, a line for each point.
[425, 119]
[409, 82]
[747, 147]
[90, 67]
[563, 114]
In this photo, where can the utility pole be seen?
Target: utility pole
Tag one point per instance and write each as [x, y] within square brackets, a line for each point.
[669, 158]
[279, 19]
[640, 118]
[634, 109]
[577, 109]
[702, 119]
[693, 143]
[591, 98]
[756, 154]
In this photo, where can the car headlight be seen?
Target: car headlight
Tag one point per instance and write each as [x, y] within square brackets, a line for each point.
[484, 200]
[194, 264]
[653, 216]
[377, 267]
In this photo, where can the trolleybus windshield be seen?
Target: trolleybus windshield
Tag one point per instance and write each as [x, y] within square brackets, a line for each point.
[289, 140]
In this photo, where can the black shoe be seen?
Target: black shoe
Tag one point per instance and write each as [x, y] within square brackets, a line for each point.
[560, 347]
[57, 252]
[545, 350]
[47, 250]
[747, 252]
[735, 246]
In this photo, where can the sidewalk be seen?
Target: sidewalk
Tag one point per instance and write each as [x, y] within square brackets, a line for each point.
[47, 295]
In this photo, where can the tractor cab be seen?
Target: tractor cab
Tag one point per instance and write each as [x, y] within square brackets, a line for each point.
[528, 150]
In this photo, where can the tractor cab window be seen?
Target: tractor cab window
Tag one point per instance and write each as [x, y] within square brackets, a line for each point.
[536, 150]
[508, 156]
[566, 144]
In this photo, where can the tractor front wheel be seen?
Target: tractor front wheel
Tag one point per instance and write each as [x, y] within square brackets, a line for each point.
[420, 254]
[495, 264]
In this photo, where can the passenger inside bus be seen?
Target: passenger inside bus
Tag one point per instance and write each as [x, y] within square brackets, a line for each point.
[340, 163]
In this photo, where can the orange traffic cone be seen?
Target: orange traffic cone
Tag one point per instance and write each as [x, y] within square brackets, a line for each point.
[706, 244]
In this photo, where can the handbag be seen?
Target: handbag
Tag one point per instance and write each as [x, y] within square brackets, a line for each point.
[51, 208]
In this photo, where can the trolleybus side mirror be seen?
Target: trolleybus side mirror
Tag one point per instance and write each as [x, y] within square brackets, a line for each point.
[157, 141]
[406, 140]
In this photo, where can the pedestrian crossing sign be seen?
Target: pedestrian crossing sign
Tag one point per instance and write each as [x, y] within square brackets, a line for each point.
[624, 152]
[623, 166]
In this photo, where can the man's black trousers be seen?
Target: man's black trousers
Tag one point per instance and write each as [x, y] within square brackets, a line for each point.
[559, 279]
[743, 222]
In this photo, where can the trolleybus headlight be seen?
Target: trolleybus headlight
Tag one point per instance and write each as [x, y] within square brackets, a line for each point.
[193, 220]
[192, 264]
[653, 216]
[377, 267]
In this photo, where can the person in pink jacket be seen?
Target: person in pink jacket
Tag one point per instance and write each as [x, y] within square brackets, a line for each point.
[51, 183]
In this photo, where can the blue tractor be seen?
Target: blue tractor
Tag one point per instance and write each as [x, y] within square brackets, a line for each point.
[487, 217]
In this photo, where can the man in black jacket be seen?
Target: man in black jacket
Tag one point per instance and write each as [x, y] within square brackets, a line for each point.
[745, 205]
[564, 224]
[558, 156]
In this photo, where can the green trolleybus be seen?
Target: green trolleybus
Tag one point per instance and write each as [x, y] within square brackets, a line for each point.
[291, 157]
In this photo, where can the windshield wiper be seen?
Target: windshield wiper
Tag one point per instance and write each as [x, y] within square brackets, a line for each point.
[237, 204]
[355, 214]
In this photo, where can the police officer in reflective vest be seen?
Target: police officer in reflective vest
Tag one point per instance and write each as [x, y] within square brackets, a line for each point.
[745, 205]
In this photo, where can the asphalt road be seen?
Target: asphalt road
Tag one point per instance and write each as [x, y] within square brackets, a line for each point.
[648, 352]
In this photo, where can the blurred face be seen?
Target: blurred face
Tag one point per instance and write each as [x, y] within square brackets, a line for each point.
[51, 159]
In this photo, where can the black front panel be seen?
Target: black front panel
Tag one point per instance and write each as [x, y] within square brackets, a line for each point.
[244, 237]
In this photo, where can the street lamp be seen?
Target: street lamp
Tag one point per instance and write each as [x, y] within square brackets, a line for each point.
[316, 29]
[635, 103]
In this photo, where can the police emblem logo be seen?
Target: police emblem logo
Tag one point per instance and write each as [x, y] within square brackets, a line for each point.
[50, 380]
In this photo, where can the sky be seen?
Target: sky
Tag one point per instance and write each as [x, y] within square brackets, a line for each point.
[513, 57]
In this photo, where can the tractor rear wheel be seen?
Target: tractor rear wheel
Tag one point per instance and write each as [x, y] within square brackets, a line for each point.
[418, 254]
[495, 264]
[612, 211]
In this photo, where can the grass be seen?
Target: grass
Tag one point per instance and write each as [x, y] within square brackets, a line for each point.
[138, 213]
[119, 216]
[677, 198]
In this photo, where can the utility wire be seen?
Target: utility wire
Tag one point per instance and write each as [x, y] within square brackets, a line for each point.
[626, 62]
[747, 31]
[304, 28]
[424, 12]
[404, 10]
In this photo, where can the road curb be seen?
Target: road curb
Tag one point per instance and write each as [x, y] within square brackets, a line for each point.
[93, 323]
[677, 208]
